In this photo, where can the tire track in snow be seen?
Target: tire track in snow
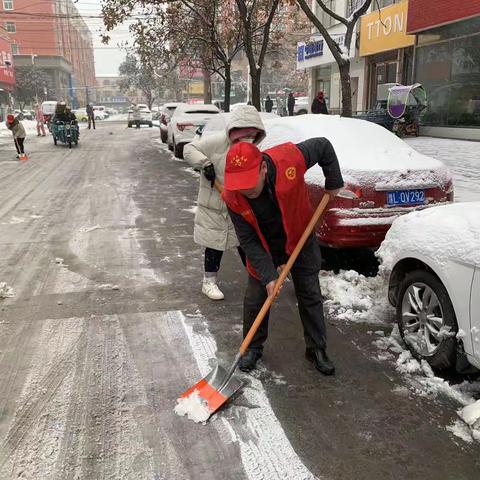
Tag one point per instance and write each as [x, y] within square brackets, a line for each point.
[266, 451]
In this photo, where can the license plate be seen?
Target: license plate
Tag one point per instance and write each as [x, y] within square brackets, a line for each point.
[406, 197]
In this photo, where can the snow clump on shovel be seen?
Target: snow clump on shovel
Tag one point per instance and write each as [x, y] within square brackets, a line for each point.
[194, 407]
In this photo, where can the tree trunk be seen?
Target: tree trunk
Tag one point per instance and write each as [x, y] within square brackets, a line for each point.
[346, 89]
[228, 87]
[256, 75]
[207, 87]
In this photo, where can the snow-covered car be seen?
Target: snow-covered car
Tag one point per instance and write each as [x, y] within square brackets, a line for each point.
[302, 106]
[101, 111]
[432, 260]
[165, 116]
[384, 177]
[184, 123]
[145, 116]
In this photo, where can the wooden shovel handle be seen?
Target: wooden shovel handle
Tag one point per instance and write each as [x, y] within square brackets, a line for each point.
[283, 274]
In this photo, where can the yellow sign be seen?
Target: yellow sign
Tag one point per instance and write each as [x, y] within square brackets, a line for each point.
[385, 30]
[195, 88]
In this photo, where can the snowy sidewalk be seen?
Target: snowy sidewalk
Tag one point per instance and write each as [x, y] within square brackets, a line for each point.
[463, 159]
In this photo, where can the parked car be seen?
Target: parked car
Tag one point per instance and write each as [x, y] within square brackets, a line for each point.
[81, 114]
[145, 116]
[166, 115]
[432, 260]
[101, 111]
[302, 106]
[24, 114]
[384, 177]
[184, 122]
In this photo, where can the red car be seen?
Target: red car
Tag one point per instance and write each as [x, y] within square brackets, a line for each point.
[384, 177]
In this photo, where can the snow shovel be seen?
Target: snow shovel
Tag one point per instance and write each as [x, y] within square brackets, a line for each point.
[220, 384]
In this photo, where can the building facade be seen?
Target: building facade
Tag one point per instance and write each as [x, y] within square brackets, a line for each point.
[108, 93]
[53, 35]
[315, 56]
[7, 75]
[447, 63]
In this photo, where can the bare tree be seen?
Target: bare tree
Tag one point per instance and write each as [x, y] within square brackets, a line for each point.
[341, 53]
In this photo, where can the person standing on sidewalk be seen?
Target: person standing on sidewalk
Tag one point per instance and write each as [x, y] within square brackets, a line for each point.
[267, 199]
[268, 104]
[19, 134]
[291, 104]
[213, 228]
[319, 105]
[40, 118]
[91, 116]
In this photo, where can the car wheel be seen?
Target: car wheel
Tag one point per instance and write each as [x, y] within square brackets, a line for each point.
[178, 150]
[302, 112]
[129, 125]
[163, 136]
[426, 319]
[150, 124]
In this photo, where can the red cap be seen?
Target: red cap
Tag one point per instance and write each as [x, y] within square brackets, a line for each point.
[242, 166]
[10, 118]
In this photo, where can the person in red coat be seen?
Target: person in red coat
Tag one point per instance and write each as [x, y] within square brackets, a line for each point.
[319, 105]
[268, 203]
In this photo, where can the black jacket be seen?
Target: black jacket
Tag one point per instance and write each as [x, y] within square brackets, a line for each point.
[319, 107]
[267, 212]
[290, 103]
[268, 105]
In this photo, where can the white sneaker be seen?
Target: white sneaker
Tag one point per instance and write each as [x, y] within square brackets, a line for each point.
[211, 290]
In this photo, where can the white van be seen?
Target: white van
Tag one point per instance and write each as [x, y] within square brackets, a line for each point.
[100, 112]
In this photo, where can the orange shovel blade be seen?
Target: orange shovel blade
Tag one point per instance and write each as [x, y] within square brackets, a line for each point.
[215, 389]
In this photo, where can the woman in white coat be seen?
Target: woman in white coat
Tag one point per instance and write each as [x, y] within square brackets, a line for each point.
[213, 228]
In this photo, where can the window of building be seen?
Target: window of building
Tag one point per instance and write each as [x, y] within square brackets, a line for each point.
[326, 19]
[8, 4]
[14, 49]
[10, 27]
[378, 4]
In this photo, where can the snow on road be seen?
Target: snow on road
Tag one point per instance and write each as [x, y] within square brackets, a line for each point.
[461, 156]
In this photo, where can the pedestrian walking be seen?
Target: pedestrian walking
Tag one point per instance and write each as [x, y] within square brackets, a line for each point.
[91, 116]
[290, 104]
[319, 105]
[40, 118]
[280, 106]
[268, 104]
[213, 228]
[268, 202]
[19, 134]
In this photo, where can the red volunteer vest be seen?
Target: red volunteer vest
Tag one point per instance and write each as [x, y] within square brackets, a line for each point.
[292, 196]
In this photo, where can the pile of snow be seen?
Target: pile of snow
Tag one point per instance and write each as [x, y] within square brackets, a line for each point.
[368, 153]
[194, 407]
[6, 291]
[353, 297]
[443, 233]
[422, 381]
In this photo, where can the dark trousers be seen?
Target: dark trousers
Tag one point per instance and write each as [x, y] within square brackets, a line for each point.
[213, 258]
[310, 302]
[91, 121]
[290, 112]
[19, 145]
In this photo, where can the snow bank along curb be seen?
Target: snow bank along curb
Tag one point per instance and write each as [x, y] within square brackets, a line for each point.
[265, 449]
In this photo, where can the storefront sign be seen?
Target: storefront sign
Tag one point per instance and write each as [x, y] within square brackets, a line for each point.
[316, 51]
[385, 30]
[7, 74]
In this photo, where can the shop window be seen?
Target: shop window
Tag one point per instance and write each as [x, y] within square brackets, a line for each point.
[14, 49]
[450, 73]
[10, 27]
[8, 4]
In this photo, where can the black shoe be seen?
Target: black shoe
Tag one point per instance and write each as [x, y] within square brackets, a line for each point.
[321, 361]
[249, 360]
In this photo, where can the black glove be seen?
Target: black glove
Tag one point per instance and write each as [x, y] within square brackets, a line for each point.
[209, 173]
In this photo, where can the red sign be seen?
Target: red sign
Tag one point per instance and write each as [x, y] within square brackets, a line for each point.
[421, 15]
[7, 74]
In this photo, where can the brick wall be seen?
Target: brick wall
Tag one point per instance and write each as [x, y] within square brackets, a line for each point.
[424, 14]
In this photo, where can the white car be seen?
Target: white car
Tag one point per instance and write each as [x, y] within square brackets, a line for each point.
[432, 260]
[302, 106]
[184, 123]
[165, 115]
[100, 112]
[146, 117]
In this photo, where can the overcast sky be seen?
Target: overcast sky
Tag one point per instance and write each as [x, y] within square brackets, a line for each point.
[107, 57]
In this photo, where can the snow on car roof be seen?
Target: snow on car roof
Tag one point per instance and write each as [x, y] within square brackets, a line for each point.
[197, 108]
[443, 233]
[219, 122]
[364, 150]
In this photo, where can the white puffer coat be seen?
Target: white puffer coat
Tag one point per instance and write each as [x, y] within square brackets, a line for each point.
[213, 227]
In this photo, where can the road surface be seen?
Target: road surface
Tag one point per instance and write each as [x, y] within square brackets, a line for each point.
[108, 326]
